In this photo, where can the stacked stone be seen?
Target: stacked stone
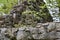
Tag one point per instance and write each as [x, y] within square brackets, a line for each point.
[58, 31]
[46, 31]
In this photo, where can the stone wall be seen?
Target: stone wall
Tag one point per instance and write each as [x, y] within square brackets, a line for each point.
[43, 31]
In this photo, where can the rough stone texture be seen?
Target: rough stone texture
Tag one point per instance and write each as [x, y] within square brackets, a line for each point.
[30, 8]
[45, 31]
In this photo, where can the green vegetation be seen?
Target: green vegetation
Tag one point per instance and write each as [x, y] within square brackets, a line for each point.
[31, 13]
[35, 12]
[6, 5]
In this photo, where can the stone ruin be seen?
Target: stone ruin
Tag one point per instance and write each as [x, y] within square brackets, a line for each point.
[41, 31]
[16, 16]
[44, 31]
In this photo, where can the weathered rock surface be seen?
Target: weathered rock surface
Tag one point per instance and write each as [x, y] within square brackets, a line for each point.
[49, 31]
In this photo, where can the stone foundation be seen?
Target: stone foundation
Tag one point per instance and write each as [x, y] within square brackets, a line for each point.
[43, 31]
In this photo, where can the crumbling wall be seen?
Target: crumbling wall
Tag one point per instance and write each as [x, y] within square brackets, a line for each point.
[16, 14]
[43, 31]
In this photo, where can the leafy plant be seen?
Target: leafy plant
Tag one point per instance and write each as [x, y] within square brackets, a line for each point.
[7, 5]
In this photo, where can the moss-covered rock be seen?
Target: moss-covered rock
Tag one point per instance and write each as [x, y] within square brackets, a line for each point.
[28, 13]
